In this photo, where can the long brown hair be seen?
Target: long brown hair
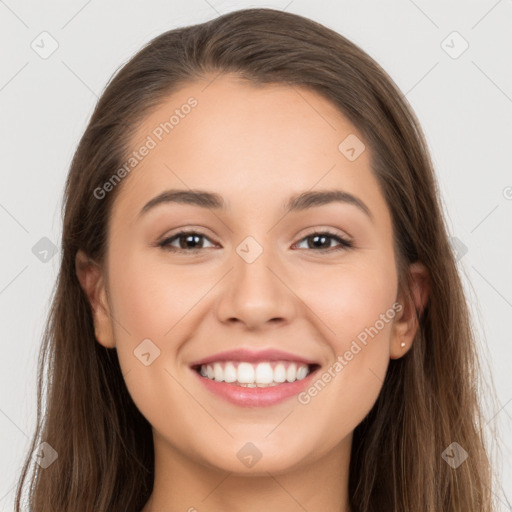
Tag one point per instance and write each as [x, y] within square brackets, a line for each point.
[429, 398]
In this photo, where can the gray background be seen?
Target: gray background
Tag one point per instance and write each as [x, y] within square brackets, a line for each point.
[464, 103]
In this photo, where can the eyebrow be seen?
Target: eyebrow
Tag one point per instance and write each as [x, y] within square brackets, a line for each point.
[299, 202]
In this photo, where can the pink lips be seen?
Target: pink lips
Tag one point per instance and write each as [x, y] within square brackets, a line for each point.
[252, 357]
[254, 397]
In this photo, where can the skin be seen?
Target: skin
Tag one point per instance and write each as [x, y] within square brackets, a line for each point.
[255, 146]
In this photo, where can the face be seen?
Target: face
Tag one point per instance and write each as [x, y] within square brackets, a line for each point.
[253, 288]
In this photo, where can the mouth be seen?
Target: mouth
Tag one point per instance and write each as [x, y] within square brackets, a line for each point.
[256, 383]
[249, 378]
[248, 374]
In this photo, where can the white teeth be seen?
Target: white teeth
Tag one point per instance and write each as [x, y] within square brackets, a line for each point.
[264, 373]
[230, 373]
[218, 373]
[260, 375]
[279, 373]
[291, 373]
[301, 372]
[245, 373]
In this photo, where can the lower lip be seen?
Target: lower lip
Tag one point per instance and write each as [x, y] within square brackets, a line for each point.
[256, 397]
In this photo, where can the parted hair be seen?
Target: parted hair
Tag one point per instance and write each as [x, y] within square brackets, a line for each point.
[429, 398]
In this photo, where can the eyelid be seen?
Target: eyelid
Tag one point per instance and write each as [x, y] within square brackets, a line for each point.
[164, 242]
[199, 230]
[345, 242]
[335, 232]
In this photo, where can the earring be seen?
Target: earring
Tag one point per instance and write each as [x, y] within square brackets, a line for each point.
[403, 344]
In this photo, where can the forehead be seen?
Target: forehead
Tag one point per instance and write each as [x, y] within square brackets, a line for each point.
[251, 143]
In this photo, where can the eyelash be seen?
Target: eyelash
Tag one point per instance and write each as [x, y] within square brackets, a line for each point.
[344, 243]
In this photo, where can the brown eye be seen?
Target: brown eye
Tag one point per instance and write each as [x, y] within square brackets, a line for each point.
[193, 241]
[321, 241]
[188, 241]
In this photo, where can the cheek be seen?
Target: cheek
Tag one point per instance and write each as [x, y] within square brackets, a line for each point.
[356, 307]
[151, 303]
[151, 297]
[352, 299]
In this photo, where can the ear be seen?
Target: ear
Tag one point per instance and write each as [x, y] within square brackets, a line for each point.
[406, 322]
[92, 282]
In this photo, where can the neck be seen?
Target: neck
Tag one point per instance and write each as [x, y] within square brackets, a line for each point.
[182, 484]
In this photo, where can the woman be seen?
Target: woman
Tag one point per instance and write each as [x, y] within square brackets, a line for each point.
[257, 306]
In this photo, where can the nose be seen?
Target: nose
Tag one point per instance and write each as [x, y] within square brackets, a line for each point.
[257, 294]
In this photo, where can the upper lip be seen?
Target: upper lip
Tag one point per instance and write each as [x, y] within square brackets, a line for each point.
[252, 356]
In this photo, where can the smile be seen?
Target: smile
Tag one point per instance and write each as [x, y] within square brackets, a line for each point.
[263, 374]
[249, 378]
